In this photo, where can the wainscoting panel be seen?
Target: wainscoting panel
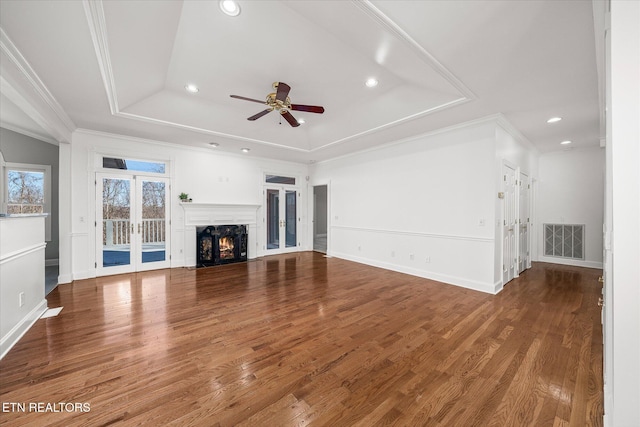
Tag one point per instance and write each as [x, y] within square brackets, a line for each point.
[465, 261]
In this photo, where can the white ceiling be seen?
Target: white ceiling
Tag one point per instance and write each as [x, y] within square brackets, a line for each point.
[121, 67]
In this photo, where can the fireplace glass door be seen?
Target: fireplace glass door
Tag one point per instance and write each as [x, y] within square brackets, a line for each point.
[281, 220]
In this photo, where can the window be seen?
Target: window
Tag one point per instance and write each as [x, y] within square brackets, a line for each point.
[25, 192]
[276, 179]
[133, 165]
[28, 190]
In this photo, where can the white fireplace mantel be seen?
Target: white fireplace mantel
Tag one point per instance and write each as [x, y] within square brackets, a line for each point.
[203, 214]
[219, 214]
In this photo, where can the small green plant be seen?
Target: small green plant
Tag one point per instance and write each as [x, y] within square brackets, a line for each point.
[184, 197]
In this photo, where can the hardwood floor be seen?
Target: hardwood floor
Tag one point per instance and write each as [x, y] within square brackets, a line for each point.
[306, 340]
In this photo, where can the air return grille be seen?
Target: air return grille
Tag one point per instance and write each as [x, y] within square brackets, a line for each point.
[564, 240]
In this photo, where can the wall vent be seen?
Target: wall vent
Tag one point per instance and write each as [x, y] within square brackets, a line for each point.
[564, 240]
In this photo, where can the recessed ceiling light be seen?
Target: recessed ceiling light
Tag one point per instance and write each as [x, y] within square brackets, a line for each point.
[230, 7]
[245, 150]
[554, 119]
[191, 88]
[371, 82]
[214, 144]
[301, 121]
[565, 142]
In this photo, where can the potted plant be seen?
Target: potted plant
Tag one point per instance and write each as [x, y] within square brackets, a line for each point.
[184, 197]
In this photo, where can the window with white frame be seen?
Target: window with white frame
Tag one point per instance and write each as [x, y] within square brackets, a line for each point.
[28, 190]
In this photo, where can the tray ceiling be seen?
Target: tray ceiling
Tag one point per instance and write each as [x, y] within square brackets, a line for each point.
[122, 67]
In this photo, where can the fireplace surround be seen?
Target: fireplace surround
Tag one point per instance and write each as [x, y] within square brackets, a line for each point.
[221, 244]
[215, 214]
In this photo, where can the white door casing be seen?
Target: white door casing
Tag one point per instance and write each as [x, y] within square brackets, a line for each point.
[509, 224]
[524, 260]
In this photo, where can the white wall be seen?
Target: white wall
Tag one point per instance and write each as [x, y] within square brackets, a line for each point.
[206, 175]
[22, 299]
[622, 292]
[424, 198]
[571, 191]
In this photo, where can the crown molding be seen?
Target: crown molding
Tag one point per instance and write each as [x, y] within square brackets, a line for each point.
[27, 132]
[383, 20]
[441, 107]
[207, 131]
[493, 118]
[94, 12]
[47, 111]
[502, 121]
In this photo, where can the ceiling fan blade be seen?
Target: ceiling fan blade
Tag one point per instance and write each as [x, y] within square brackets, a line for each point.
[247, 99]
[283, 91]
[288, 117]
[260, 114]
[308, 108]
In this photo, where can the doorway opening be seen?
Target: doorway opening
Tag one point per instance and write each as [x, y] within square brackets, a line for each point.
[320, 215]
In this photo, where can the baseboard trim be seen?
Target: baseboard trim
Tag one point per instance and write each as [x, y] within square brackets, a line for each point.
[489, 288]
[572, 262]
[87, 274]
[64, 278]
[14, 335]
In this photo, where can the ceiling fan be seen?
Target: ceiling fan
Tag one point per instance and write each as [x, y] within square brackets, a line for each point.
[279, 101]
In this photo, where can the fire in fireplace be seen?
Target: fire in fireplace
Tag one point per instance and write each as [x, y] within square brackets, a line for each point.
[226, 247]
[221, 244]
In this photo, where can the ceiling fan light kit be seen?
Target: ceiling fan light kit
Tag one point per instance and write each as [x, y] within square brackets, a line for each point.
[280, 101]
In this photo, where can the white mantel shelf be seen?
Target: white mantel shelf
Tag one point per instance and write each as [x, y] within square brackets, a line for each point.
[203, 214]
[219, 214]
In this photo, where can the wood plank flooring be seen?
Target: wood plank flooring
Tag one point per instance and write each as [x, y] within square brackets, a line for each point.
[300, 339]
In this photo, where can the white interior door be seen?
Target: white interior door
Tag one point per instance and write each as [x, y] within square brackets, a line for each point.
[509, 224]
[281, 219]
[523, 222]
[132, 223]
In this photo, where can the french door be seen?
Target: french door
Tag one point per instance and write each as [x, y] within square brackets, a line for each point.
[281, 219]
[132, 223]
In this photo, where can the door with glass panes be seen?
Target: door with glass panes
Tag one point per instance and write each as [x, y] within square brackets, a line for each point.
[281, 219]
[132, 231]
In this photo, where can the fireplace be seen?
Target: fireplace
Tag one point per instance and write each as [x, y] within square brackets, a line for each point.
[221, 244]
